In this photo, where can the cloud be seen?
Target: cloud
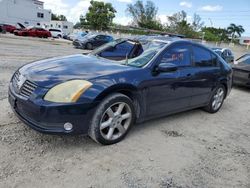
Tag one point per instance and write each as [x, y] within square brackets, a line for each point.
[80, 8]
[125, 1]
[163, 18]
[211, 8]
[72, 13]
[186, 4]
[56, 6]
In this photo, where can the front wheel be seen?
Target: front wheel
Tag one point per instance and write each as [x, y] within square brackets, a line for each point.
[112, 119]
[216, 100]
[89, 46]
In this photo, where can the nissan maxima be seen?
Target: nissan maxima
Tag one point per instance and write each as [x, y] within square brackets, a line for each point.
[103, 98]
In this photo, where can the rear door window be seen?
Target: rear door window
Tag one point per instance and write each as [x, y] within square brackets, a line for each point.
[203, 57]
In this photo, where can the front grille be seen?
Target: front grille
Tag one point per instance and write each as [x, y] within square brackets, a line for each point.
[27, 88]
[22, 86]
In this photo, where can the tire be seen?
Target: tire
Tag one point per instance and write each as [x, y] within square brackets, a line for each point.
[112, 119]
[89, 46]
[59, 36]
[216, 100]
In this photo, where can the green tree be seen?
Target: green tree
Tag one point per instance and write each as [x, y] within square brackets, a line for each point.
[235, 30]
[178, 24]
[144, 15]
[215, 34]
[197, 23]
[100, 15]
[58, 17]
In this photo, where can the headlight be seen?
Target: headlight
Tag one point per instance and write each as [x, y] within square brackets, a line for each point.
[67, 92]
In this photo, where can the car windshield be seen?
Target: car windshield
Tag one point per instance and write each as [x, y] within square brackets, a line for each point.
[143, 59]
[88, 36]
[149, 50]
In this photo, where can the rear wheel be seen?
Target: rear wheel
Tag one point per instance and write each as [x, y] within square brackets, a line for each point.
[112, 119]
[216, 100]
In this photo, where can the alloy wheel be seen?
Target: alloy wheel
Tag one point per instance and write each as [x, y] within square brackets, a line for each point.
[218, 99]
[115, 121]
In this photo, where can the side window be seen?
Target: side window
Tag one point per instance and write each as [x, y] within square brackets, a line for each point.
[98, 37]
[202, 57]
[179, 55]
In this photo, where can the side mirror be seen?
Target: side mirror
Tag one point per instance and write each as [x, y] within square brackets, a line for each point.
[167, 67]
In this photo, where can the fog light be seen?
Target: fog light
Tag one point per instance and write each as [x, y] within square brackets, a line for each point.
[68, 126]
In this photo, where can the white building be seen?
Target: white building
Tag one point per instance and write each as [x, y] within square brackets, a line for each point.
[244, 40]
[65, 26]
[26, 12]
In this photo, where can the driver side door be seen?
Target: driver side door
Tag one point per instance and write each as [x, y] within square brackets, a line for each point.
[170, 92]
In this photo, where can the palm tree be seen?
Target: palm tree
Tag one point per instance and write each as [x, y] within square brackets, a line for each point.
[234, 29]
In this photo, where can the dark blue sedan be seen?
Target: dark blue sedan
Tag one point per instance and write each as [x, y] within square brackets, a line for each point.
[103, 98]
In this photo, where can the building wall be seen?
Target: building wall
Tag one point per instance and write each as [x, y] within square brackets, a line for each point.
[27, 12]
[65, 26]
[244, 40]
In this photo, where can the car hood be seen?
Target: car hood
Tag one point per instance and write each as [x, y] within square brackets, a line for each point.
[49, 72]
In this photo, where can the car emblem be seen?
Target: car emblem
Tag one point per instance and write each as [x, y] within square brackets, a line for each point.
[20, 81]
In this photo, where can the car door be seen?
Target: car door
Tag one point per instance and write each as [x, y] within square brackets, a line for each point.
[99, 40]
[206, 73]
[169, 92]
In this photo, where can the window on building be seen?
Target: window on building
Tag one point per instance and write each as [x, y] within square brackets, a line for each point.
[51, 25]
[40, 15]
[65, 27]
[59, 26]
[38, 24]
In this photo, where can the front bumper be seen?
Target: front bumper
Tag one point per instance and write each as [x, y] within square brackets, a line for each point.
[78, 44]
[49, 117]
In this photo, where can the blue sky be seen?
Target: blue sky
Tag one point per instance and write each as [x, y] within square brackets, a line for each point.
[217, 13]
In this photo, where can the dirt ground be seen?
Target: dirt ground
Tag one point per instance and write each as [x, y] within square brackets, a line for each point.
[186, 150]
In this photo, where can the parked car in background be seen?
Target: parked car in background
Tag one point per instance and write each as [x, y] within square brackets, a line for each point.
[103, 98]
[225, 53]
[74, 36]
[92, 41]
[241, 71]
[56, 33]
[1, 29]
[8, 28]
[33, 32]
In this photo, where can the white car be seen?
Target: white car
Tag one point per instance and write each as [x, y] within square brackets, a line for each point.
[56, 33]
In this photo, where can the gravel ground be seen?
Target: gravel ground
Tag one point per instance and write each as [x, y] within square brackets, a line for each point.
[190, 149]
